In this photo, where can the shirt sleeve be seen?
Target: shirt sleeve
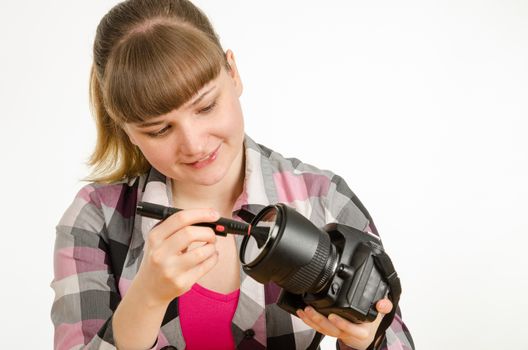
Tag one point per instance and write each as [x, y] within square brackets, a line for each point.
[344, 207]
[86, 293]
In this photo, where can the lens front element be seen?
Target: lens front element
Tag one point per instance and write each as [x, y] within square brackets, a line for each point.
[259, 236]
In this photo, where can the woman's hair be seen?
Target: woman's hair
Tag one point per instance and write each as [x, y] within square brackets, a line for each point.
[150, 57]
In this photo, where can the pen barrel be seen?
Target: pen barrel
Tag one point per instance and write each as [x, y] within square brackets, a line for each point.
[155, 211]
[235, 227]
[221, 227]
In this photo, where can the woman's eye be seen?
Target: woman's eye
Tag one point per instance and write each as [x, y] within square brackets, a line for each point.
[160, 132]
[208, 108]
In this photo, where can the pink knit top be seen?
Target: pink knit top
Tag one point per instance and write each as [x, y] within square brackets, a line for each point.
[205, 318]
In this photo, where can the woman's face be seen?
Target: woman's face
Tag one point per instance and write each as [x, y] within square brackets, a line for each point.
[198, 142]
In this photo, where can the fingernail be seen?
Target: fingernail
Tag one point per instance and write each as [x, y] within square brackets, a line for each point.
[214, 213]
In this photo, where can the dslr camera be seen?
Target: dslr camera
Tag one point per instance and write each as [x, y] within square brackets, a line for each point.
[337, 269]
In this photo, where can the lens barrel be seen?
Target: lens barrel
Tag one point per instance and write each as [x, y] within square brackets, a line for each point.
[296, 255]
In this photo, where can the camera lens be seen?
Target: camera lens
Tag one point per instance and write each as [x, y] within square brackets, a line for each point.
[285, 247]
[261, 232]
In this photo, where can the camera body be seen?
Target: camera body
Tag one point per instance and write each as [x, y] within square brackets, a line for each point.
[356, 285]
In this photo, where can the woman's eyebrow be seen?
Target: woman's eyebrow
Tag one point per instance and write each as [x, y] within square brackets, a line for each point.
[147, 124]
[193, 103]
[199, 98]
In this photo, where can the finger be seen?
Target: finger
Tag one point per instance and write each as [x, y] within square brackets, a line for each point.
[196, 256]
[178, 221]
[302, 315]
[168, 250]
[358, 331]
[322, 322]
[384, 306]
[179, 242]
[202, 268]
[184, 274]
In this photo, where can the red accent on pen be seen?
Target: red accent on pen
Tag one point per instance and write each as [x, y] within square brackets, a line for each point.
[220, 228]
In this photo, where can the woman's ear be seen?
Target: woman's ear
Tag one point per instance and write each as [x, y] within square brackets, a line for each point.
[233, 72]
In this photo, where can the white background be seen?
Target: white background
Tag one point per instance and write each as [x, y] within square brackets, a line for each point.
[420, 105]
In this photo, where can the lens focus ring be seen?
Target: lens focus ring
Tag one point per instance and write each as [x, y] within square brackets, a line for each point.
[306, 278]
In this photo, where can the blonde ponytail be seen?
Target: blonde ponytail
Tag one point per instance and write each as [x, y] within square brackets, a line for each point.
[114, 158]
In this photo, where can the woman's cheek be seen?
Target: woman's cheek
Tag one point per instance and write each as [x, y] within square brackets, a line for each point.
[159, 152]
[234, 121]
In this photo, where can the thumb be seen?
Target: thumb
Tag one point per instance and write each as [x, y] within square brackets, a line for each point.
[384, 306]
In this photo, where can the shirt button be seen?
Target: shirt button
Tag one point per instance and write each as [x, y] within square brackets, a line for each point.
[249, 333]
[169, 347]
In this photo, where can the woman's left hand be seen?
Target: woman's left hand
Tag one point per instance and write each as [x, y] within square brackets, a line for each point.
[358, 336]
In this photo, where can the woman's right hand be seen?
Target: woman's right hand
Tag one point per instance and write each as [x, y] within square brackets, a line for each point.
[169, 268]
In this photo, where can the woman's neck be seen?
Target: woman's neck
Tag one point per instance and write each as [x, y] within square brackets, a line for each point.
[220, 196]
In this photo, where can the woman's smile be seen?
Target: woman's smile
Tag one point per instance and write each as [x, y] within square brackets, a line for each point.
[205, 161]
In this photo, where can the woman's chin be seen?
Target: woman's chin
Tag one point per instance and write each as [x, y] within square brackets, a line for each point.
[211, 181]
[206, 178]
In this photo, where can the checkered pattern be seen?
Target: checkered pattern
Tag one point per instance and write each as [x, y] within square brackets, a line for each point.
[100, 240]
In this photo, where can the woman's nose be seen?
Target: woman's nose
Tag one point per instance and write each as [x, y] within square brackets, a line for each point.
[190, 141]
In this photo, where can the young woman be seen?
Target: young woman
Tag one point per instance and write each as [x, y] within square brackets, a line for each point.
[171, 131]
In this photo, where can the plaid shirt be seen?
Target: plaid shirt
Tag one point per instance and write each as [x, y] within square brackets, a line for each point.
[100, 241]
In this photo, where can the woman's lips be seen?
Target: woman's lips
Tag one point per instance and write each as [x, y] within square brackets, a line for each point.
[206, 161]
